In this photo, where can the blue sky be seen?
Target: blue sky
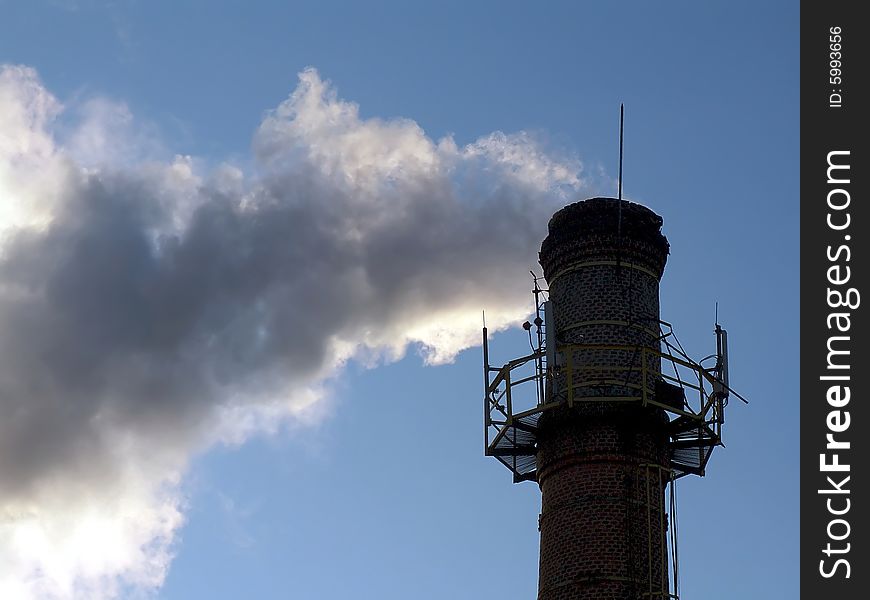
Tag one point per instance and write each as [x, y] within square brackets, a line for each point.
[384, 490]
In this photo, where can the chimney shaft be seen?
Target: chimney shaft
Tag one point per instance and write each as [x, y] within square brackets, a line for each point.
[602, 462]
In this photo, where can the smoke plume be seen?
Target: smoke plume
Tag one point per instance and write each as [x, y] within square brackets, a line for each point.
[150, 309]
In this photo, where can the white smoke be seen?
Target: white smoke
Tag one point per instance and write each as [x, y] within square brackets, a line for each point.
[151, 309]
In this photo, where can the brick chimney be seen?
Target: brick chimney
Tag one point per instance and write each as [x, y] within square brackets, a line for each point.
[603, 460]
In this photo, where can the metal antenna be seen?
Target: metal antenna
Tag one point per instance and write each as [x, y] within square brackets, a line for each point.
[621, 122]
[619, 189]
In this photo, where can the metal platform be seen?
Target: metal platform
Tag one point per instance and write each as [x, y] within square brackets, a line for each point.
[694, 397]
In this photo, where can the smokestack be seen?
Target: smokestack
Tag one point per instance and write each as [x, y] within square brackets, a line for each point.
[618, 411]
[603, 458]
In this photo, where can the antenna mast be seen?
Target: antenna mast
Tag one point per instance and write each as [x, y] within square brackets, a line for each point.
[621, 121]
[619, 190]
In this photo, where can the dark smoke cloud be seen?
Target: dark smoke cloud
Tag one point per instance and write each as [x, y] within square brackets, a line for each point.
[148, 310]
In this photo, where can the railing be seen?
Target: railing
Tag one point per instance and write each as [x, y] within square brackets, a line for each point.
[702, 403]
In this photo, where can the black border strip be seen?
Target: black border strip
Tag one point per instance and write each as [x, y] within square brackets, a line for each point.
[835, 299]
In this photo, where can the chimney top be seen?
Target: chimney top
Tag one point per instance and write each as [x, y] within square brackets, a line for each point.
[604, 229]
